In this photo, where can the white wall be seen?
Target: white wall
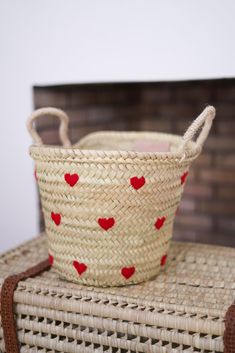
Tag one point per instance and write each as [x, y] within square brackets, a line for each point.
[61, 41]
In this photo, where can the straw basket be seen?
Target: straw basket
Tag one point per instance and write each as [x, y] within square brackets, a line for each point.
[109, 210]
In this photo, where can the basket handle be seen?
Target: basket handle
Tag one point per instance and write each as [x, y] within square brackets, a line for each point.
[204, 121]
[63, 130]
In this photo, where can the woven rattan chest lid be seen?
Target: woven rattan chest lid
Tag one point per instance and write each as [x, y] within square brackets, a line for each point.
[181, 310]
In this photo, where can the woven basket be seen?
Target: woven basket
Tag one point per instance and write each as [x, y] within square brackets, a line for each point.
[108, 209]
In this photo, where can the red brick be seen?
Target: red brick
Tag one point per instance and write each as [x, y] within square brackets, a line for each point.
[181, 125]
[225, 110]
[220, 144]
[82, 97]
[225, 92]
[215, 237]
[100, 114]
[192, 92]
[198, 190]
[184, 234]
[87, 95]
[77, 132]
[108, 112]
[50, 137]
[226, 224]
[77, 116]
[156, 94]
[217, 176]
[194, 221]
[47, 122]
[50, 97]
[204, 160]
[225, 127]
[137, 111]
[225, 160]
[217, 207]
[92, 115]
[176, 111]
[226, 193]
[206, 237]
[155, 125]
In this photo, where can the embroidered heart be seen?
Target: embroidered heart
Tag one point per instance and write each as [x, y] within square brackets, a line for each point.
[159, 222]
[80, 267]
[51, 259]
[127, 272]
[137, 183]
[56, 217]
[183, 178]
[106, 223]
[71, 179]
[163, 260]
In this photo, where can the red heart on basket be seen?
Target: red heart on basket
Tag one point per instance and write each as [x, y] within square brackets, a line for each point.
[71, 179]
[51, 259]
[127, 272]
[163, 260]
[106, 223]
[80, 267]
[136, 182]
[56, 217]
[183, 177]
[159, 222]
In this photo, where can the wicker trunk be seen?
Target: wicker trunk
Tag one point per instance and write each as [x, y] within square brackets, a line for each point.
[181, 310]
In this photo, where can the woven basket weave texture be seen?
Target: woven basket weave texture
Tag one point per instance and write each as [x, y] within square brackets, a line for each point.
[109, 210]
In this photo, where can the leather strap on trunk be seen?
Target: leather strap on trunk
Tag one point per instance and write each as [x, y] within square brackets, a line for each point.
[229, 333]
[7, 305]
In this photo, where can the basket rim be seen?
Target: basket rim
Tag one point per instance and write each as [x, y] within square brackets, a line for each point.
[62, 152]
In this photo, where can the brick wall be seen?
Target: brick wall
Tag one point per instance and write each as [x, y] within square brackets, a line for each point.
[207, 209]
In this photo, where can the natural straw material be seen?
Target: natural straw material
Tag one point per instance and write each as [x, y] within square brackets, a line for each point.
[108, 209]
[182, 310]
